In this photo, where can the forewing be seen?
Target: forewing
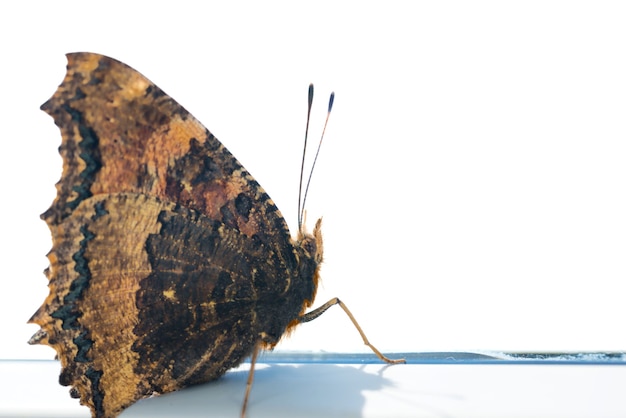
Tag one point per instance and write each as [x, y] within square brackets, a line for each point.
[121, 133]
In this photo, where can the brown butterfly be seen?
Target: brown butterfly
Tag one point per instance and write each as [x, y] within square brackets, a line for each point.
[170, 264]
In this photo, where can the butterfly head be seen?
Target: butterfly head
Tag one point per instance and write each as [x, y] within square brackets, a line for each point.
[311, 254]
[312, 243]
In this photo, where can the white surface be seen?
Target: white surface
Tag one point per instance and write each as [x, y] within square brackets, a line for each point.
[30, 389]
[472, 183]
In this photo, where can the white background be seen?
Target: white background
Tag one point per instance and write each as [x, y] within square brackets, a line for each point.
[472, 181]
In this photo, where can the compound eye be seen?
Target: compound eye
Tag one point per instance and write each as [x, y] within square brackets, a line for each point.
[310, 246]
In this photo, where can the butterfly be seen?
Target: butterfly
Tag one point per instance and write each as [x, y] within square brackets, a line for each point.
[170, 264]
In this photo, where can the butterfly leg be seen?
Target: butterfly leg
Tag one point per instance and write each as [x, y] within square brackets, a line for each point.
[255, 353]
[309, 316]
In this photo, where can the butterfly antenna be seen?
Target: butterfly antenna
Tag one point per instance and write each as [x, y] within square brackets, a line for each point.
[306, 135]
[319, 146]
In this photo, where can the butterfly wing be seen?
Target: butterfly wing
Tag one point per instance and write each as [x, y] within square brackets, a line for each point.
[169, 261]
[122, 133]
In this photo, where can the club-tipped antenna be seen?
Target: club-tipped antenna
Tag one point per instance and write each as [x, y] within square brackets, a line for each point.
[306, 136]
[317, 153]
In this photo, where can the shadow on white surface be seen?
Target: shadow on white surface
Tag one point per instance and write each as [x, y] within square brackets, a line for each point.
[306, 390]
[279, 390]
